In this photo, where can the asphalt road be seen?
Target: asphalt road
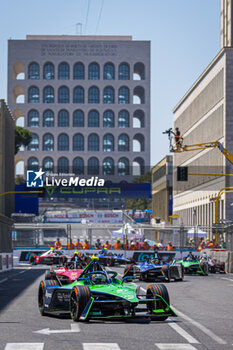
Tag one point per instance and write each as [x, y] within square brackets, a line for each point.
[204, 306]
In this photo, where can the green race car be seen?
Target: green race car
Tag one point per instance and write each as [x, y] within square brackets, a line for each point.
[192, 265]
[98, 294]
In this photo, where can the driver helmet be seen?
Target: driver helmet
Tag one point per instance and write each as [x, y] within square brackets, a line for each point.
[118, 239]
[75, 253]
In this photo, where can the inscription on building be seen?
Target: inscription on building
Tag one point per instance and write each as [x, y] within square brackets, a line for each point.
[79, 49]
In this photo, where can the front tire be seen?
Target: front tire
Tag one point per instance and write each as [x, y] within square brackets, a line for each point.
[41, 298]
[152, 291]
[79, 298]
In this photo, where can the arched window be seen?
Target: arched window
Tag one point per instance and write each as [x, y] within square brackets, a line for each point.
[93, 71]
[123, 119]
[123, 96]
[33, 94]
[93, 166]
[78, 166]
[123, 143]
[63, 165]
[34, 144]
[108, 121]
[79, 72]
[109, 71]
[63, 95]
[108, 144]
[48, 142]
[63, 142]
[93, 95]
[48, 71]
[93, 142]
[138, 95]
[33, 118]
[93, 119]
[63, 118]
[123, 73]
[109, 95]
[108, 166]
[78, 118]
[48, 165]
[33, 71]
[78, 142]
[33, 163]
[139, 71]
[123, 167]
[63, 71]
[78, 95]
[48, 118]
[48, 94]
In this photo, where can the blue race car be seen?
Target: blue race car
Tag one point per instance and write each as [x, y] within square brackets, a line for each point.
[109, 258]
[155, 269]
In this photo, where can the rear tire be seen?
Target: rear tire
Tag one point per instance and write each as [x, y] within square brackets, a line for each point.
[159, 289]
[47, 275]
[41, 298]
[79, 298]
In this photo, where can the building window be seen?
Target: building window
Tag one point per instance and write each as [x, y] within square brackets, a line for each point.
[123, 167]
[109, 95]
[33, 164]
[34, 144]
[123, 119]
[108, 166]
[79, 72]
[78, 95]
[93, 71]
[48, 165]
[78, 118]
[78, 142]
[33, 71]
[48, 118]
[48, 94]
[48, 142]
[78, 166]
[63, 95]
[63, 71]
[108, 121]
[63, 118]
[48, 71]
[33, 94]
[63, 142]
[108, 144]
[93, 119]
[109, 71]
[123, 96]
[33, 118]
[93, 142]
[123, 143]
[63, 165]
[93, 166]
[123, 71]
[93, 95]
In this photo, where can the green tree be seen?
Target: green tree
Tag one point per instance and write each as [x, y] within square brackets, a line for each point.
[140, 203]
[22, 137]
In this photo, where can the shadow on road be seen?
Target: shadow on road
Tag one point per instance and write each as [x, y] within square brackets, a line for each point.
[16, 284]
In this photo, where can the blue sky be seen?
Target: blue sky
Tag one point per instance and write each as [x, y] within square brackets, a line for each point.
[184, 34]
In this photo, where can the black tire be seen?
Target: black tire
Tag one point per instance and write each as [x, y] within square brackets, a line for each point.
[52, 282]
[79, 298]
[168, 273]
[159, 289]
[128, 271]
[205, 269]
[41, 298]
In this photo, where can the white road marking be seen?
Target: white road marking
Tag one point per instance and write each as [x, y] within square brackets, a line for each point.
[225, 278]
[183, 333]
[4, 280]
[175, 346]
[74, 329]
[205, 330]
[24, 346]
[22, 271]
[100, 346]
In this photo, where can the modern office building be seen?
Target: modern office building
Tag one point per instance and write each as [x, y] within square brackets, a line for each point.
[161, 185]
[86, 100]
[204, 114]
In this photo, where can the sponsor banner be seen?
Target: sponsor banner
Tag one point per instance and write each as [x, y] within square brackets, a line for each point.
[145, 255]
[25, 255]
[87, 217]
